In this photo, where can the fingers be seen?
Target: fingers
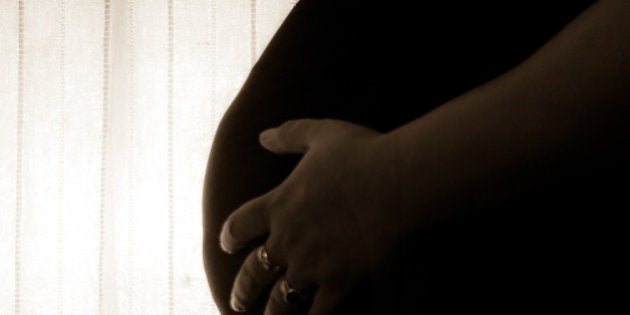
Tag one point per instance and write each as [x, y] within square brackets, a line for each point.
[248, 222]
[294, 136]
[297, 136]
[255, 277]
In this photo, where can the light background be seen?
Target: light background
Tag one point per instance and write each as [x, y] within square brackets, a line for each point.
[107, 113]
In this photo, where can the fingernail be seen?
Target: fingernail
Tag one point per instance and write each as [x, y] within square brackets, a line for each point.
[265, 136]
[223, 241]
[227, 242]
[236, 305]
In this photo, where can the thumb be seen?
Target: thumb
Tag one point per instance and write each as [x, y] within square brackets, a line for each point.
[293, 136]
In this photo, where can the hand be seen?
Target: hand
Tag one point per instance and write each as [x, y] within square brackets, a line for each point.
[330, 224]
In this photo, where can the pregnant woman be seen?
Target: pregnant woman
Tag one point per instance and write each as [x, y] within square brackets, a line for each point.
[444, 157]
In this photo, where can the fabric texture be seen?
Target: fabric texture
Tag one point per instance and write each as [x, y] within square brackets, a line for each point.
[107, 112]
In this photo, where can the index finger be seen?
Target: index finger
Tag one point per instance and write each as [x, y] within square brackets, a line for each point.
[248, 222]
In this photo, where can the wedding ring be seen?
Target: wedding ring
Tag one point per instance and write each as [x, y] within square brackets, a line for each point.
[289, 294]
[263, 258]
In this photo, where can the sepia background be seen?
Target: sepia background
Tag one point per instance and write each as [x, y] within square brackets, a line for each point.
[107, 113]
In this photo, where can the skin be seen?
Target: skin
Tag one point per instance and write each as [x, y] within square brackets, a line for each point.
[358, 193]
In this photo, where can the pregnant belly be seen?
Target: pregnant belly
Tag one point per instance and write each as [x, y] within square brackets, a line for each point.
[334, 59]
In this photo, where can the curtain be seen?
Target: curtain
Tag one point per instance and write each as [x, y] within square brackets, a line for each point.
[107, 114]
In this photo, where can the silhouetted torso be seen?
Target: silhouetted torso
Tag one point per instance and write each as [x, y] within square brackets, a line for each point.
[383, 64]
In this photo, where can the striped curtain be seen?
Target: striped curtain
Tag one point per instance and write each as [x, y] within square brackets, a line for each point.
[107, 113]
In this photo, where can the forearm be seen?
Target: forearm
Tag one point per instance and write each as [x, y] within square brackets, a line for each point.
[565, 101]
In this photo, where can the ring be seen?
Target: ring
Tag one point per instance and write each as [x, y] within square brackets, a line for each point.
[263, 258]
[290, 295]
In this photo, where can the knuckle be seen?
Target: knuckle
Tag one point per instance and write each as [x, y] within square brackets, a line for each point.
[288, 126]
[283, 247]
[274, 248]
[277, 202]
[292, 125]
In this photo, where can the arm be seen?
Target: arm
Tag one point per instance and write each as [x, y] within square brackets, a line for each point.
[567, 101]
[357, 193]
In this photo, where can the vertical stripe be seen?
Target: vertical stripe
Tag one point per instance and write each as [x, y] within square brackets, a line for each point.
[253, 31]
[214, 107]
[61, 144]
[131, 158]
[104, 138]
[170, 157]
[18, 178]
